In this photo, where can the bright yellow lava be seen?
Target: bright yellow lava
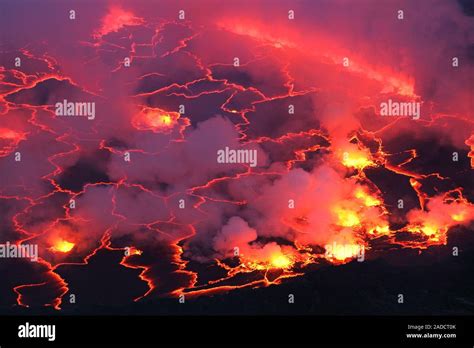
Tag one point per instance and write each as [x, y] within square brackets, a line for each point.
[134, 251]
[431, 231]
[62, 246]
[280, 261]
[380, 230]
[358, 160]
[347, 218]
[157, 119]
[368, 200]
[166, 119]
[459, 217]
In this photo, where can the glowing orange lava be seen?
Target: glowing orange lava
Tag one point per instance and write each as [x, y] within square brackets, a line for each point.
[62, 246]
[280, 261]
[157, 120]
[351, 218]
[461, 216]
[276, 259]
[134, 251]
[429, 229]
[357, 159]
[367, 199]
[384, 229]
[346, 217]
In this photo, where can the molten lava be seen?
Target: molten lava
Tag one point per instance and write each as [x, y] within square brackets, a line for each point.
[357, 159]
[347, 217]
[62, 246]
[338, 185]
[366, 198]
[271, 256]
[461, 216]
[156, 120]
[280, 261]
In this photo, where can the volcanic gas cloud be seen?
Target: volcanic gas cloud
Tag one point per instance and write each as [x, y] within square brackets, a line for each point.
[136, 194]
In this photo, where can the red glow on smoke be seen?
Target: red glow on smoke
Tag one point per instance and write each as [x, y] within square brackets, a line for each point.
[116, 19]
[9, 140]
